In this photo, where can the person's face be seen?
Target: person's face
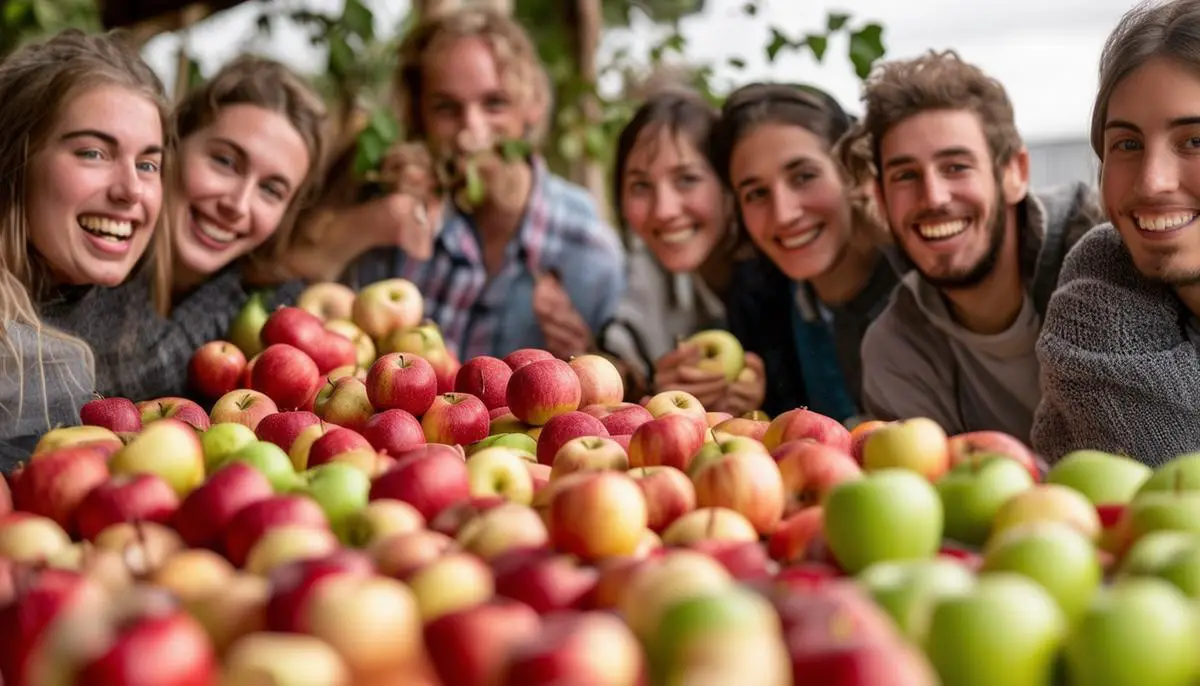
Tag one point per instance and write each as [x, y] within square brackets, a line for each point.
[466, 101]
[672, 199]
[792, 198]
[939, 190]
[240, 174]
[1150, 175]
[94, 190]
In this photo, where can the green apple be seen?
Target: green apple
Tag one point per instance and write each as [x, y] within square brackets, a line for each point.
[1139, 632]
[1056, 556]
[713, 451]
[908, 589]
[500, 471]
[167, 448]
[729, 630]
[269, 459]
[973, 491]
[1183, 570]
[1163, 511]
[519, 441]
[919, 444]
[720, 352]
[222, 440]
[1150, 553]
[1103, 478]
[1007, 631]
[892, 514]
[245, 328]
[1180, 474]
[341, 489]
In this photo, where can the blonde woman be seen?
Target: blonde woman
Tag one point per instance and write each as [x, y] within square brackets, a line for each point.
[85, 151]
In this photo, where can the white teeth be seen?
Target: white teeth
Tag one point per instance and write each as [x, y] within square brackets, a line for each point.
[799, 240]
[1165, 222]
[676, 237]
[215, 232]
[942, 229]
[109, 229]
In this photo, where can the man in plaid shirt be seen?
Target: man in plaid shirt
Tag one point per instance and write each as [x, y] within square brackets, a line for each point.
[531, 263]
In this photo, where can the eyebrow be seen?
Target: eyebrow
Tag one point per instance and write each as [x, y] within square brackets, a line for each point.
[1130, 126]
[790, 165]
[686, 166]
[109, 139]
[241, 152]
[939, 155]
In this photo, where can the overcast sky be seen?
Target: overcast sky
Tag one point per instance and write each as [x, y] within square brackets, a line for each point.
[1045, 52]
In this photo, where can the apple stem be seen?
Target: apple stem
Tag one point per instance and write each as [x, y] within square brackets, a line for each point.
[97, 395]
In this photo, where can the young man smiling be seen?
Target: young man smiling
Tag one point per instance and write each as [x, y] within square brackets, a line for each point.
[951, 176]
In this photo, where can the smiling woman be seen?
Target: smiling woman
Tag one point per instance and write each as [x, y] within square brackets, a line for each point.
[84, 145]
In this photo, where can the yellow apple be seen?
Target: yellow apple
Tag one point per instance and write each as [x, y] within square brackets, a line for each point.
[167, 448]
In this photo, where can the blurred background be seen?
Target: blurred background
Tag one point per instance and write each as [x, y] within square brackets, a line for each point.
[599, 52]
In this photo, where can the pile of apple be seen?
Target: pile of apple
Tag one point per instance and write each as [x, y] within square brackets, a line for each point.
[385, 521]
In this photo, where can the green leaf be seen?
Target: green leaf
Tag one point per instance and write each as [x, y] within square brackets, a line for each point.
[47, 13]
[371, 149]
[778, 42]
[675, 42]
[341, 56]
[817, 44]
[359, 19]
[866, 46]
[16, 11]
[737, 62]
[385, 124]
[750, 9]
[195, 77]
[513, 149]
[836, 21]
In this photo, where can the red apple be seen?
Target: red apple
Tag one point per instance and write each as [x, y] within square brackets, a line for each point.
[740, 426]
[455, 419]
[244, 381]
[286, 375]
[118, 415]
[519, 358]
[335, 441]
[541, 390]
[485, 378]
[620, 418]
[810, 470]
[500, 413]
[858, 437]
[206, 512]
[54, 484]
[445, 368]
[292, 584]
[246, 407]
[963, 446]
[125, 498]
[669, 494]
[854, 661]
[615, 576]
[388, 305]
[565, 652]
[306, 332]
[402, 381]
[540, 473]
[399, 555]
[393, 432]
[451, 520]
[470, 646]
[543, 579]
[792, 540]
[563, 428]
[429, 480]
[744, 560]
[597, 514]
[671, 440]
[600, 382]
[255, 519]
[794, 425]
[344, 403]
[186, 411]
[215, 368]
[806, 576]
[282, 428]
[41, 597]
[746, 482]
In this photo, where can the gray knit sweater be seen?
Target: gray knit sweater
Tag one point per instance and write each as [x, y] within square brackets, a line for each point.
[1119, 372]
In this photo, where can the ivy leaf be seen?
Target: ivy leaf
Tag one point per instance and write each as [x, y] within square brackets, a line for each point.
[866, 46]
[817, 44]
[359, 19]
[778, 42]
[341, 56]
[737, 62]
[835, 21]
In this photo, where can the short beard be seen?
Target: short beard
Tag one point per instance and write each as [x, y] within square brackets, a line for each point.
[982, 269]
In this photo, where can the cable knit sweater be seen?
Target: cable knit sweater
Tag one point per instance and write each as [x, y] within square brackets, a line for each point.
[1119, 370]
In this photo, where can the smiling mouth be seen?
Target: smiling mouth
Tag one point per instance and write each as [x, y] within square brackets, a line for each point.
[212, 231]
[677, 236]
[1164, 222]
[111, 230]
[942, 230]
[799, 239]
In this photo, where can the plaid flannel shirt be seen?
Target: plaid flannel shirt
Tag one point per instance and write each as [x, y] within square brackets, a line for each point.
[480, 315]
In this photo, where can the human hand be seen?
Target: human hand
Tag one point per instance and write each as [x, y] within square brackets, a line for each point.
[564, 329]
[677, 371]
[746, 393]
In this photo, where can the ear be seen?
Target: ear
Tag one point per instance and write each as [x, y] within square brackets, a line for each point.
[1015, 180]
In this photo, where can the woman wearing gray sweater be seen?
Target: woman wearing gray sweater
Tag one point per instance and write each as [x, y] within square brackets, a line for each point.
[1118, 351]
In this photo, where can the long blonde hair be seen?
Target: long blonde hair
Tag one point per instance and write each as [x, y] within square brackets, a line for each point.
[36, 84]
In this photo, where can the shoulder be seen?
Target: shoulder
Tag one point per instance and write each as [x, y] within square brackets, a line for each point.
[897, 329]
[1100, 254]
